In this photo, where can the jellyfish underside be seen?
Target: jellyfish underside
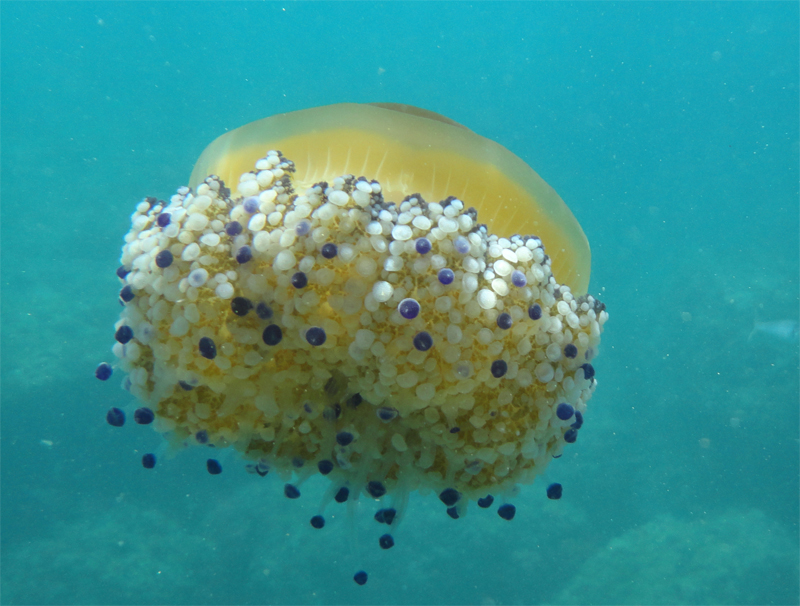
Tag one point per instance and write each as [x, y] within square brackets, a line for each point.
[372, 180]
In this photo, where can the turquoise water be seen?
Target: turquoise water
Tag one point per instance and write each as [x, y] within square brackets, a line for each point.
[671, 131]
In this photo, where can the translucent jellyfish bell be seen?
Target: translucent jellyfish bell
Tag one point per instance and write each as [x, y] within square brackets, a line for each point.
[411, 150]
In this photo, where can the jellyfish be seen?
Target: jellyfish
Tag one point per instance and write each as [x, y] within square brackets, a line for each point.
[371, 292]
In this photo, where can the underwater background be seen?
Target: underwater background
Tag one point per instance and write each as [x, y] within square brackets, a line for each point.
[670, 130]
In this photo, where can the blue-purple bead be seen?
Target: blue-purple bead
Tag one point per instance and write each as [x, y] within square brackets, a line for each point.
[518, 278]
[385, 516]
[387, 413]
[535, 311]
[272, 335]
[329, 250]
[360, 577]
[234, 228]
[122, 271]
[588, 371]
[386, 541]
[499, 368]
[251, 205]
[461, 244]
[554, 491]
[263, 311]
[446, 276]
[342, 494]
[504, 321]
[317, 522]
[126, 294]
[124, 334]
[325, 467]
[485, 502]
[115, 417]
[565, 411]
[149, 461]
[241, 306]
[299, 280]
[578, 420]
[507, 511]
[343, 438]
[423, 246]
[143, 416]
[423, 341]
[571, 435]
[213, 466]
[163, 219]
[315, 336]
[570, 351]
[208, 348]
[449, 496]
[376, 489]
[103, 371]
[408, 308]
[164, 259]
[291, 492]
[302, 228]
[244, 254]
